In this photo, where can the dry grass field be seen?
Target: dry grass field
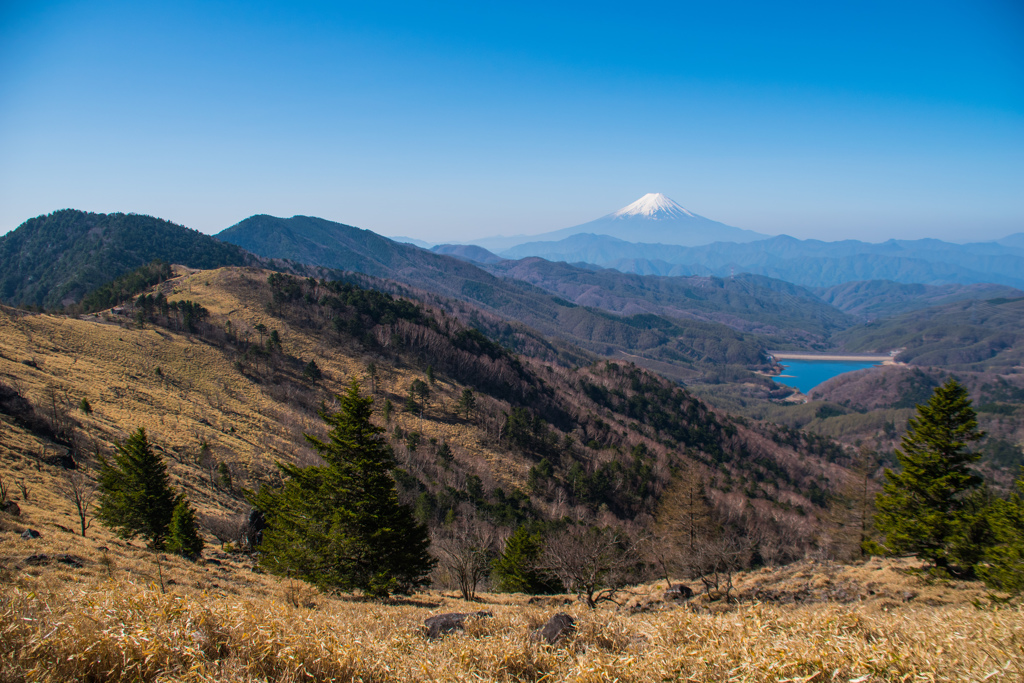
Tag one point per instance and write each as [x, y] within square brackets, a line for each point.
[100, 609]
[123, 617]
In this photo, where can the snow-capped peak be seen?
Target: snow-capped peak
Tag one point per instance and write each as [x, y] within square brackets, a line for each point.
[653, 205]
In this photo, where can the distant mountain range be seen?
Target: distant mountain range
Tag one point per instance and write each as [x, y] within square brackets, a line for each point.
[654, 218]
[1014, 240]
[656, 236]
[810, 263]
[964, 335]
[875, 299]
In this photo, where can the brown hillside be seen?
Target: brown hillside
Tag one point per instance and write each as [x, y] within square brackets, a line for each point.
[103, 609]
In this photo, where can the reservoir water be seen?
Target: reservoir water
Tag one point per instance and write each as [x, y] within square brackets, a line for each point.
[807, 374]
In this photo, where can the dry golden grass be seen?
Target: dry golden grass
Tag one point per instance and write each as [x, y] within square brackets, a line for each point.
[100, 629]
[131, 615]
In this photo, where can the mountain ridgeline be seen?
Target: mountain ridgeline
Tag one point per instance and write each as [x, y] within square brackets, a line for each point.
[681, 341]
[696, 327]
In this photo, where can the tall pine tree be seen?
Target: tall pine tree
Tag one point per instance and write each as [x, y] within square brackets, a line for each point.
[135, 494]
[340, 526]
[923, 508]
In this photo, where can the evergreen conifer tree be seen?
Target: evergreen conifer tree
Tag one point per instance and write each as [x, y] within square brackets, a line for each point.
[517, 569]
[340, 526]
[183, 537]
[135, 494]
[923, 508]
[467, 402]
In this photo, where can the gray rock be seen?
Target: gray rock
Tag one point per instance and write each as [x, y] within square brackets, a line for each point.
[440, 624]
[558, 627]
[29, 534]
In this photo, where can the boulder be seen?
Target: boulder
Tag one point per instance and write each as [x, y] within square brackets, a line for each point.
[440, 624]
[679, 591]
[11, 508]
[557, 627]
[29, 534]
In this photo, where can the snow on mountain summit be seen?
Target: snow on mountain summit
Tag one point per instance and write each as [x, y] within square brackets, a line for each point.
[653, 205]
[652, 219]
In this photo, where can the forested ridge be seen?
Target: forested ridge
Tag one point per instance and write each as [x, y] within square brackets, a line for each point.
[54, 260]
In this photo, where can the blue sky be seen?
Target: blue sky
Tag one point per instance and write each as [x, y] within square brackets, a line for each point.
[827, 120]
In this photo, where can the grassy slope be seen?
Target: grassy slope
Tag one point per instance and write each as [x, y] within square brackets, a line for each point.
[142, 617]
[199, 396]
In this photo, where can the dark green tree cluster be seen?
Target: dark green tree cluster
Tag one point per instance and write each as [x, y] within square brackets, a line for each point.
[137, 499]
[312, 371]
[518, 569]
[938, 508]
[186, 315]
[340, 526]
[467, 402]
[125, 287]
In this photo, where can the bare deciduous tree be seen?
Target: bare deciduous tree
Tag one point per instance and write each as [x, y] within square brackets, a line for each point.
[852, 511]
[683, 519]
[596, 563]
[464, 551]
[716, 560]
[80, 492]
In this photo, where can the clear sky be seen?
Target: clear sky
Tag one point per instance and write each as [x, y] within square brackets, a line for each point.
[448, 121]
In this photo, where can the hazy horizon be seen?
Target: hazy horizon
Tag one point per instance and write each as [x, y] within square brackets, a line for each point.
[468, 121]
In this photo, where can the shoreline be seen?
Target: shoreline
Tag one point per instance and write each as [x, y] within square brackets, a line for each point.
[884, 360]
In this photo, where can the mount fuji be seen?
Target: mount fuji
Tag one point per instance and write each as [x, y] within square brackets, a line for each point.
[652, 219]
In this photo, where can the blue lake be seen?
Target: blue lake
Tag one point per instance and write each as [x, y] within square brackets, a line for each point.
[807, 374]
